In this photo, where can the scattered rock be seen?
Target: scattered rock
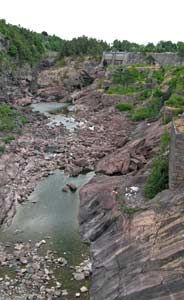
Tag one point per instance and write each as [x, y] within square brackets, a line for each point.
[79, 276]
[64, 293]
[39, 244]
[77, 295]
[65, 189]
[84, 289]
[72, 187]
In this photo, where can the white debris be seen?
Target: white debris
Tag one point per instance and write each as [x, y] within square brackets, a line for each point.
[134, 188]
[77, 295]
[83, 289]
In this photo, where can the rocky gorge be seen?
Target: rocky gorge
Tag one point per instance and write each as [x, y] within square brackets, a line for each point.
[136, 245]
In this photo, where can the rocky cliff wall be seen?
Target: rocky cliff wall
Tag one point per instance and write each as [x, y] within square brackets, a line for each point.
[138, 256]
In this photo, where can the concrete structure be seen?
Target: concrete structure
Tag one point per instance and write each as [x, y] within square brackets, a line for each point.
[131, 58]
[176, 160]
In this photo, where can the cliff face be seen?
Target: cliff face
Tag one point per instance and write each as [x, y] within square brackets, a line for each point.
[131, 58]
[139, 256]
[137, 246]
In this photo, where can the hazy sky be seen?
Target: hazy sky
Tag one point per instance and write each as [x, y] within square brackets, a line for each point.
[135, 20]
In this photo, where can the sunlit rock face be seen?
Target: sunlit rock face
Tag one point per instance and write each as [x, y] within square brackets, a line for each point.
[135, 256]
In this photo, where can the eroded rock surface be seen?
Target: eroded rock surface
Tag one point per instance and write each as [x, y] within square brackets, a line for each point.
[137, 256]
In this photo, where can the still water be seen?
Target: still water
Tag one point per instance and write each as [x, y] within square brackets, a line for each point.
[52, 215]
[56, 118]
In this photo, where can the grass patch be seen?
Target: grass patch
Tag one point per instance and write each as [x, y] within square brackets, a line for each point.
[176, 101]
[164, 141]
[158, 75]
[145, 95]
[151, 111]
[159, 177]
[124, 106]
[126, 76]
[124, 208]
[121, 90]
[2, 149]
[7, 139]
[142, 114]
[10, 119]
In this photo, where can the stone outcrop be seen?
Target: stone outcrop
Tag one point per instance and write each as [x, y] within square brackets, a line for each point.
[133, 156]
[15, 85]
[137, 256]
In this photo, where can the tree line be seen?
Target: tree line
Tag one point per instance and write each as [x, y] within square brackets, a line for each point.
[23, 45]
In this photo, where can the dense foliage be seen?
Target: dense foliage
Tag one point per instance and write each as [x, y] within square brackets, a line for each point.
[11, 121]
[158, 179]
[83, 46]
[159, 176]
[22, 45]
[162, 46]
[124, 106]
[152, 87]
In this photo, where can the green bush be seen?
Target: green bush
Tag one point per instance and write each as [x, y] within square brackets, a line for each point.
[10, 119]
[176, 101]
[164, 141]
[142, 114]
[125, 76]
[158, 179]
[2, 149]
[124, 106]
[7, 139]
[157, 93]
[159, 75]
[145, 95]
[151, 111]
[121, 90]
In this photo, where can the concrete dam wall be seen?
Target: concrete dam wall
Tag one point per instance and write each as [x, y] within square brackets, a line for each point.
[131, 58]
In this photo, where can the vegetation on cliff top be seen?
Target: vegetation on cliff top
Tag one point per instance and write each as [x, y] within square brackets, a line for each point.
[21, 45]
[162, 46]
[151, 88]
[159, 176]
[10, 119]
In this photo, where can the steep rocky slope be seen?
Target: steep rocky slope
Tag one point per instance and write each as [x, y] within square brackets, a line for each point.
[136, 244]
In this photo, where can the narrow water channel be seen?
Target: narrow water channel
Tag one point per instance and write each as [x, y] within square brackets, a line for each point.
[52, 215]
[57, 118]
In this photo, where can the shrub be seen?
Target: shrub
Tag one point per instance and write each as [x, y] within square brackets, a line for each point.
[124, 106]
[7, 139]
[158, 179]
[159, 75]
[141, 114]
[10, 119]
[2, 149]
[157, 93]
[176, 101]
[164, 141]
[145, 95]
[151, 111]
[121, 90]
[125, 76]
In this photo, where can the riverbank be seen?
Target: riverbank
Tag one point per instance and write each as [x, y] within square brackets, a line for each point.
[117, 220]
